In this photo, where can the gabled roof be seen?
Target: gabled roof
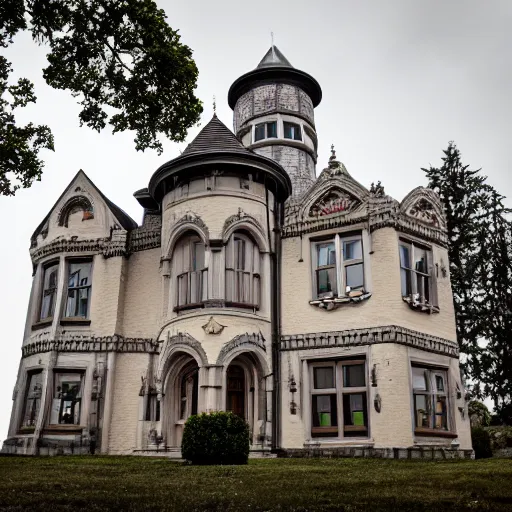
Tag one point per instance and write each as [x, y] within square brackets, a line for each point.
[215, 136]
[122, 217]
[275, 68]
[274, 57]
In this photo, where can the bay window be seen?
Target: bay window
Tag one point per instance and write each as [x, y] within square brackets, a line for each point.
[339, 405]
[191, 272]
[67, 398]
[430, 398]
[338, 266]
[49, 295]
[79, 288]
[242, 271]
[32, 402]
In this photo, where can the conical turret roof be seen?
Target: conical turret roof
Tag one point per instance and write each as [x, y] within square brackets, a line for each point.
[273, 58]
[215, 137]
[275, 68]
[215, 147]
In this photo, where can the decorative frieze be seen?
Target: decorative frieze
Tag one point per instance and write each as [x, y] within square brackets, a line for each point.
[370, 336]
[89, 343]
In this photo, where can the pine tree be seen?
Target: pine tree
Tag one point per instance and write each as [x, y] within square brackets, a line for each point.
[480, 252]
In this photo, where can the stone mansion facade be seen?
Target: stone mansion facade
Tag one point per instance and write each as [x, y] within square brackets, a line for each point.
[316, 308]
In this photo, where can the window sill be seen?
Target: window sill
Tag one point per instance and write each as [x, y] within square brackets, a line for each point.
[75, 321]
[63, 429]
[430, 432]
[26, 430]
[424, 307]
[184, 307]
[42, 324]
[335, 302]
[244, 305]
[216, 303]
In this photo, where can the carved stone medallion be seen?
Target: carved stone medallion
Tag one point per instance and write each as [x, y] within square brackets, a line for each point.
[213, 327]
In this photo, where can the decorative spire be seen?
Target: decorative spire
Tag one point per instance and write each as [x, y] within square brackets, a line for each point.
[214, 106]
[333, 162]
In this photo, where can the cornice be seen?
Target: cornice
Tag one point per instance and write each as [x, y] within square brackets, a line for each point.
[89, 343]
[370, 336]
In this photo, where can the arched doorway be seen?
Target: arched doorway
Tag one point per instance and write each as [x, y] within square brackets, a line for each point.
[181, 397]
[245, 393]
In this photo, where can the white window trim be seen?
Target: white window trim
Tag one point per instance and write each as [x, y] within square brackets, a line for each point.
[308, 382]
[279, 120]
[338, 239]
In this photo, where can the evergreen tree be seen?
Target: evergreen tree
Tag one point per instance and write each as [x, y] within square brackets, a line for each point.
[480, 252]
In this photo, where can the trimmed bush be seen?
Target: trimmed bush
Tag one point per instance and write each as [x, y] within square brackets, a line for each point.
[215, 438]
[481, 443]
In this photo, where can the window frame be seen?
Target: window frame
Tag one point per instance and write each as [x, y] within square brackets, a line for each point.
[299, 126]
[266, 134]
[340, 266]
[28, 384]
[62, 399]
[192, 239]
[69, 262]
[253, 272]
[339, 431]
[45, 267]
[431, 372]
[429, 275]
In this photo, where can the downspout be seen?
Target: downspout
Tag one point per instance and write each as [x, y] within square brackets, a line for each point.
[275, 304]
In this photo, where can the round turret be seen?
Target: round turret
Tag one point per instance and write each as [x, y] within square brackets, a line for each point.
[274, 116]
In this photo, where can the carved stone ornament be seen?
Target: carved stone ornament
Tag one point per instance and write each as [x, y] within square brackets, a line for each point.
[213, 327]
[424, 211]
[334, 201]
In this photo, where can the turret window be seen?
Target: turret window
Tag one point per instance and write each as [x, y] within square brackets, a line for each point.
[292, 131]
[79, 289]
[265, 131]
[49, 296]
[191, 272]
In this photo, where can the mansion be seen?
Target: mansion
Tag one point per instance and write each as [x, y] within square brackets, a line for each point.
[318, 309]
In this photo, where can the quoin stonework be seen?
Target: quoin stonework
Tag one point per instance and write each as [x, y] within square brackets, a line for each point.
[318, 309]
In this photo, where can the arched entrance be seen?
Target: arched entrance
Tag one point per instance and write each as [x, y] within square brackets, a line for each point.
[245, 393]
[181, 397]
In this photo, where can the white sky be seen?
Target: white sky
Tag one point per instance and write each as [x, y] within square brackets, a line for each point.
[400, 79]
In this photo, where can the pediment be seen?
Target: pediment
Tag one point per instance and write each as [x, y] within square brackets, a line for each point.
[333, 202]
[423, 205]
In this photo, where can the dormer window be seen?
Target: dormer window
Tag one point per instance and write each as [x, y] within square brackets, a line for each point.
[265, 131]
[292, 131]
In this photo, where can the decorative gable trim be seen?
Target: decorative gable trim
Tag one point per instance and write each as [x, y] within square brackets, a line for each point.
[80, 201]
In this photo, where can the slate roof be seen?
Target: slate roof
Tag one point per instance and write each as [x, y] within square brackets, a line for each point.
[215, 137]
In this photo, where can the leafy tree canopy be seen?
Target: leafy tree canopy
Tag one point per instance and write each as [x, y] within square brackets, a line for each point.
[120, 58]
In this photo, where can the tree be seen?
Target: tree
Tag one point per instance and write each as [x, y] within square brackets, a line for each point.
[121, 60]
[480, 253]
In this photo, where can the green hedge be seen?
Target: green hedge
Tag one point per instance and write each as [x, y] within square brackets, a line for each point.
[216, 438]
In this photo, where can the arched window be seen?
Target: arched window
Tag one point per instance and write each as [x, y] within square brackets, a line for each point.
[190, 271]
[242, 271]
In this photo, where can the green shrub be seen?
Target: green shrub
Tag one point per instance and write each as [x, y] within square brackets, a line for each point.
[481, 443]
[216, 438]
[501, 437]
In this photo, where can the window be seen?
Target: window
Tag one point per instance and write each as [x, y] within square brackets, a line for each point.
[79, 289]
[338, 267]
[415, 273]
[292, 131]
[152, 408]
[32, 399]
[67, 398]
[265, 131]
[339, 399]
[49, 295]
[430, 395]
[191, 271]
[188, 393]
[242, 271]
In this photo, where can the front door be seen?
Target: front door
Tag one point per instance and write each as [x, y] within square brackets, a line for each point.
[236, 391]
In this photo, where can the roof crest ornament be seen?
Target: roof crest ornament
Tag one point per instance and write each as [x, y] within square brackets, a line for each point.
[214, 106]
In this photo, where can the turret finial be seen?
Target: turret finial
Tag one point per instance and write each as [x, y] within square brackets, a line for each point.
[214, 106]
[333, 153]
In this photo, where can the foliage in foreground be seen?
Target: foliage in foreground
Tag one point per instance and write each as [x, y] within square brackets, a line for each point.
[481, 443]
[216, 438]
[480, 252]
[142, 483]
[121, 59]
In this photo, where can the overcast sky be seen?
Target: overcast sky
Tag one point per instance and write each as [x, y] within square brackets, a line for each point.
[400, 79]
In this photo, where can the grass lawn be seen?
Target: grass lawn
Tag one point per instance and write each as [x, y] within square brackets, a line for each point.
[139, 483]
